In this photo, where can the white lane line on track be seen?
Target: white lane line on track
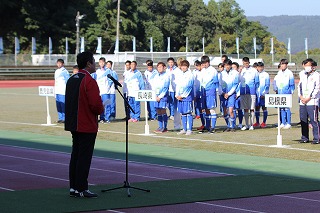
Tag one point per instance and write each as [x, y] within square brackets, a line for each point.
[228, 207]
[93, 168]
[32, 174]
[297, 198]
[6, 189]
[141, 163]
[188, 139]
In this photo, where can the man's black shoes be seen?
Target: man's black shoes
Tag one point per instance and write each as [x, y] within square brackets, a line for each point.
[85, 194]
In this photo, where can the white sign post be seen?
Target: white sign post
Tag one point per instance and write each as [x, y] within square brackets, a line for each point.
[47, 91]
[146, 95]
[279, 101]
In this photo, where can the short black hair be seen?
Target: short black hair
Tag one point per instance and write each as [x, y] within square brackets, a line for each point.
[75, 67]
[284, 61]
[110, 62]
[170, 59]
[205, 59]
[102, 59]
[60, 60]
[227, 61]
[83, 58]
[128, 61]
[149, 62]
[197, 63]
[260, 64]
[237, 64]
[245, 59]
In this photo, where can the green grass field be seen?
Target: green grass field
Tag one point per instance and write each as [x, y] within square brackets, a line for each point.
[249, 155]
[22, 107]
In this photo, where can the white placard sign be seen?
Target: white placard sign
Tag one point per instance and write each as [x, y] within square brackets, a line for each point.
[46, 91]
[278, 100]
[145, 95]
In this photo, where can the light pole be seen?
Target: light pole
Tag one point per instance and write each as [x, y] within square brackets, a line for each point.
[78, 18]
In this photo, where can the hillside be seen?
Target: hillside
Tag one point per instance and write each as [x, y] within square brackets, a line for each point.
[296, 27]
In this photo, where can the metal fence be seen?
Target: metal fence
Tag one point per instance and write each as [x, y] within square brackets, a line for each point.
[141, 57]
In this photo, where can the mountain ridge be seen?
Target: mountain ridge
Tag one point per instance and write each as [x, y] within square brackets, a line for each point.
[297, 28]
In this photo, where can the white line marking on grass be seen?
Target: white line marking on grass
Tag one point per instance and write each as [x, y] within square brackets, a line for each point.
[7, 189]
[228, 207]
[297, 198]
[188, 139]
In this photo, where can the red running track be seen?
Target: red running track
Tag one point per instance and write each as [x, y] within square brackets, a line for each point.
[23, 168]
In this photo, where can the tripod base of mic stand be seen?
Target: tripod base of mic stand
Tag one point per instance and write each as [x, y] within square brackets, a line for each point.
[127, 186]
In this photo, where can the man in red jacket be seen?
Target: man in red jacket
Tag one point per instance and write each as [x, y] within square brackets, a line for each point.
[83, 105]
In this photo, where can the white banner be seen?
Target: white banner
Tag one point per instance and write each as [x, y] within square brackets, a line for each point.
[151, 44]
[82, 44]
[67, 46]
[289, 46]
[50, 45]
[271, 49]
[220, 45]
[34, 47]
[168, 47]
[1, 45]
[99, 46]
[306, 45]
[237, 44]
[133, 44]
[16, 45]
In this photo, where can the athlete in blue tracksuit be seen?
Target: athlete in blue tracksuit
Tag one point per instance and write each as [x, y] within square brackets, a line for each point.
[148, 78]
[248, 84]
[262, 90]
[134, 82]
[284, 84]
[161, 88]
[229, 82]
[61, 76]
[184, 95]
[209, 87]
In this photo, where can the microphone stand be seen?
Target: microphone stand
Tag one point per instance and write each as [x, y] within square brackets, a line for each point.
[126, 182]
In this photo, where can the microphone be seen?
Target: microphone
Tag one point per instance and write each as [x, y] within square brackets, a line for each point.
[117, 83]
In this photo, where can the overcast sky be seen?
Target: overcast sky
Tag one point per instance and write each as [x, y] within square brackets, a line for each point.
[279, 7]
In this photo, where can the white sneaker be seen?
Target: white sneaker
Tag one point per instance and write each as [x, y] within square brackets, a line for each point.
[251, 128]
[182, 132]
[244, 128]
[189, 132]
[287, 126]
[281, 126]
[240, 126]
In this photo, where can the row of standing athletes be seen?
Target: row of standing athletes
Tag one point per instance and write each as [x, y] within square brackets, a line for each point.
[183, 91]
[241, 91]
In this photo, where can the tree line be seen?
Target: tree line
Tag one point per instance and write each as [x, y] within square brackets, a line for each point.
[142, 19]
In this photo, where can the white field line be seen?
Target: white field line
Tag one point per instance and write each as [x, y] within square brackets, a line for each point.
[188, 139]
[228, 207]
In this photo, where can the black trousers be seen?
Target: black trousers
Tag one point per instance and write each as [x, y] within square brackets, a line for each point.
[80, 162]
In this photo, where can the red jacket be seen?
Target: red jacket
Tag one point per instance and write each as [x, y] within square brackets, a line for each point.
[83, 103]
